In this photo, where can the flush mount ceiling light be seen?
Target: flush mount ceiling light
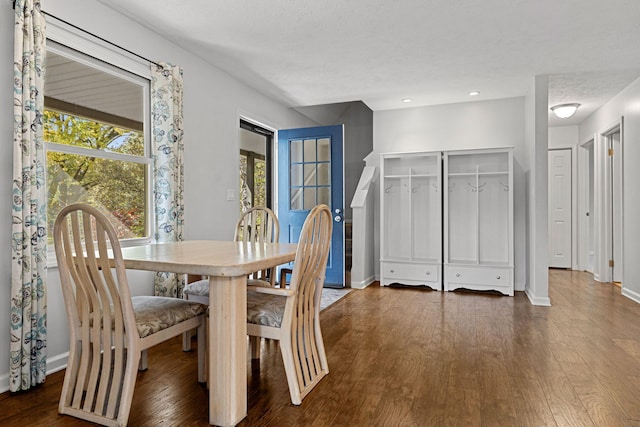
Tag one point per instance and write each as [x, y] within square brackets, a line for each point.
[406, 99]
[474, 93]
[564, 111]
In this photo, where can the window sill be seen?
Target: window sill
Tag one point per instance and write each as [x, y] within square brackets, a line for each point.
[52, 262]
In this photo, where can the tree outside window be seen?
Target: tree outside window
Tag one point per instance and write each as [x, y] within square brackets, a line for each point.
[253, 180]
[96, 163]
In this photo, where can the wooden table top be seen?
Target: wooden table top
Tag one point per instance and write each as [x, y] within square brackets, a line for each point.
[208, 257]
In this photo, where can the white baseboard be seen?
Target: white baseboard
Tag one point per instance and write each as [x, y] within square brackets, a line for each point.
[632, 295]
[545, 301]
[54, 364]
[363, 284]
[57, 363]
[4, 382]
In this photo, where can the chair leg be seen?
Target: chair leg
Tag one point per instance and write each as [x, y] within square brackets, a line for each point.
[70, 377]
[254, 344]
[186, 340]
[128, 385]
[283, 276]
[290, 371]
[202, 350]
[143, 365]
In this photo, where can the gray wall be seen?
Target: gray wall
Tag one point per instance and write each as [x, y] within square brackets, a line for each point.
[357, 119]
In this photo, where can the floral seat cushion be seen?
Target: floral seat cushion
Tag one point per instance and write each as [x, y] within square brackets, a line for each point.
[153, 314]
[201, 288]
[265, 309]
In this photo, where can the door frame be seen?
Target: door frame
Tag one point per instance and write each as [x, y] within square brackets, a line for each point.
[603, 228]
[585, 211]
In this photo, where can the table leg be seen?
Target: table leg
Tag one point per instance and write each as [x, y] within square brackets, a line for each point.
[227, 343]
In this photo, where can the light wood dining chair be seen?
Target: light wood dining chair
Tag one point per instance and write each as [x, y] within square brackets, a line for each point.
[292, 315]
[258, 224]
[108, 328]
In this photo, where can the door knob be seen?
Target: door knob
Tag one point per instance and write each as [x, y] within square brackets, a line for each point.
[338, 215]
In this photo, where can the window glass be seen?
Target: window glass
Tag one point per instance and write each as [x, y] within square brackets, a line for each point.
[259, 182]
[309, 197]
[296, 151]
[310, 150]
[324, 149]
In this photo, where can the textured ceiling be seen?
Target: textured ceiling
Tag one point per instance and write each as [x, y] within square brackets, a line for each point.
[307, 52]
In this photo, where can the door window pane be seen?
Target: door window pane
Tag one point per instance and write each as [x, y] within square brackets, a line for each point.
[323, 173]
[309, 197]
[296, 151]
[296, 175]
[324, 150]
[324, 195]
[309, 150]
[310, 174]
[296, 199]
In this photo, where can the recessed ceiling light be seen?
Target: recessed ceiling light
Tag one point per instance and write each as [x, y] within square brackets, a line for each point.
[406, 99]
[474, 93]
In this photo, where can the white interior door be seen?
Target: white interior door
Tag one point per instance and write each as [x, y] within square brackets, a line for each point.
[560, 208]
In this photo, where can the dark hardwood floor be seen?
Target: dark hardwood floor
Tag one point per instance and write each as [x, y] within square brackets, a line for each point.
[408, 357]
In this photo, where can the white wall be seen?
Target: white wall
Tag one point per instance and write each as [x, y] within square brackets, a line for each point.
[251, 141]
[626, 104]
[537, 215]
[480, 124]
[563, 136]
[213, 103]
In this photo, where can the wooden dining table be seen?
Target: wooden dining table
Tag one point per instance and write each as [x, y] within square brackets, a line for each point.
[227, 264]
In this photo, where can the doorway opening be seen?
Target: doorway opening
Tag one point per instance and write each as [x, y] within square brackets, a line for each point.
[256, 144]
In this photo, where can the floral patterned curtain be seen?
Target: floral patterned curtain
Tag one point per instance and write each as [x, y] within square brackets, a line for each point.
[167, 152]
[28, 346]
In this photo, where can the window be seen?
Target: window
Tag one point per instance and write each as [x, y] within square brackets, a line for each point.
[95, 140]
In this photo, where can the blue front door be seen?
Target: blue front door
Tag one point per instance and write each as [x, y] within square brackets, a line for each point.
[310, 172]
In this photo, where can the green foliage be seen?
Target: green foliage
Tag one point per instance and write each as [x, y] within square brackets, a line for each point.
[260, 183]
[116, 187]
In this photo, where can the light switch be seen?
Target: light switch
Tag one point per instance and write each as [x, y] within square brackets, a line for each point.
[231, 194]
